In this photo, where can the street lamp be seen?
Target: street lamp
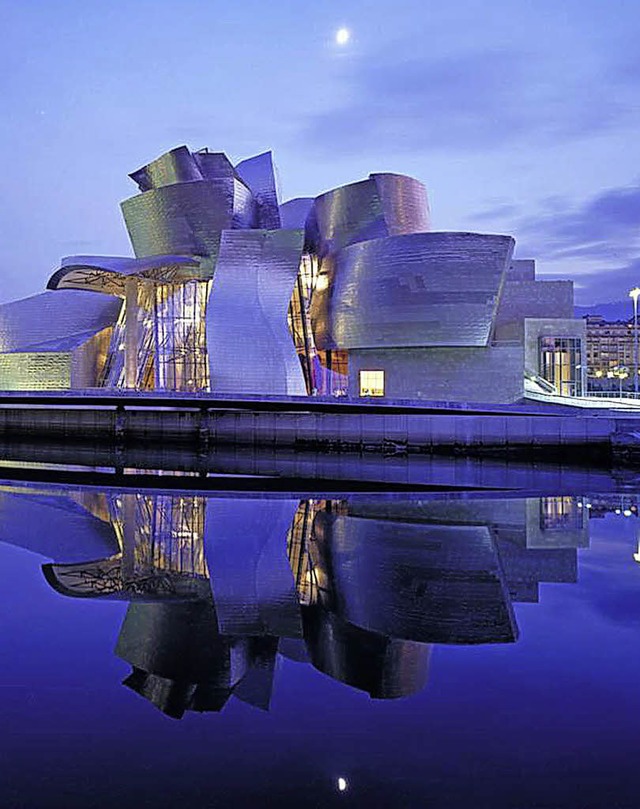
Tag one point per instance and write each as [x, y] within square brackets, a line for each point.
[634, 293]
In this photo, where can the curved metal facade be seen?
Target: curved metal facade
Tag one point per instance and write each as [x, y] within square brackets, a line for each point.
[234, 292]
[382, 205]
[426, 289]
[55, 340]
[259, 175]
[55, 321]
[249, 343]
[176, 166]
[184, 219]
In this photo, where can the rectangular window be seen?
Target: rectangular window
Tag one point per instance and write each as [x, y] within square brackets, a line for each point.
[371, 383]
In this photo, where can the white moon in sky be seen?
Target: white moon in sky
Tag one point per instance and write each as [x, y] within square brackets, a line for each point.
[343, 35]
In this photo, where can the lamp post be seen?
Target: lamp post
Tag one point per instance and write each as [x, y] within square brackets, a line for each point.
[634, 293]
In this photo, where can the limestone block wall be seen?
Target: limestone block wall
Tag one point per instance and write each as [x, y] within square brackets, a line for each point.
[534, 328]
[536, 299]
[485, 374]
[35, 370]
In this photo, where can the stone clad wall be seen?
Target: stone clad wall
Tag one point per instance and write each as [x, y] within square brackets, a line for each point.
[536, 299]
[490, 374]
[37, 370]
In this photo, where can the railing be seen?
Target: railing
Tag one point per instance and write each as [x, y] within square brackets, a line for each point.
[613, 394]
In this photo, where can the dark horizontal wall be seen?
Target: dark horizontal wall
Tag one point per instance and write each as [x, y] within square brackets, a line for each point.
[523, 299]
[487, 374]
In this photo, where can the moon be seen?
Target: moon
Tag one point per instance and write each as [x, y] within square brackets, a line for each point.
[343, 35]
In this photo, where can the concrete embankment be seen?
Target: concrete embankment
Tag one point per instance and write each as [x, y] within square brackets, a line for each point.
[295, 423]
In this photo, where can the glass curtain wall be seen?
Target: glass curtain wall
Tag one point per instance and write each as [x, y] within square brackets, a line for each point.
[299, 319]
[561, 363]
[171, 346]
[325, 372]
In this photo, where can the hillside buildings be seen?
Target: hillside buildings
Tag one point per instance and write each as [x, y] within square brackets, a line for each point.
[350, 293]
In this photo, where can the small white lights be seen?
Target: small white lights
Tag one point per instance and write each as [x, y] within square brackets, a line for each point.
[342, 784]
[343, 35]
[627, 512]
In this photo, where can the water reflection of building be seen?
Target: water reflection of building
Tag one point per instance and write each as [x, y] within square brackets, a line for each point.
[359, 588]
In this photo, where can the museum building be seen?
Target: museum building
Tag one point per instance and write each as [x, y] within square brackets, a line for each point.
[348, 294]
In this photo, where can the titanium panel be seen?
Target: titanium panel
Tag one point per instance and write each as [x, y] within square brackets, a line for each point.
[405, 204]
[384, 667]
[253, 587]
[259, 174]
[245, 208]
[182, 219]
[382, 205]
[175, 166]
[54, 526]
[249, 344]
[88, 360]
[51, 320]
[423, 289]
[213, 164]
[349, 214]
[421, 583]
[294, 212]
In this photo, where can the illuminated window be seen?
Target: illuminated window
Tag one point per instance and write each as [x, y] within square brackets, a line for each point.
[560, 363]
[371, 383]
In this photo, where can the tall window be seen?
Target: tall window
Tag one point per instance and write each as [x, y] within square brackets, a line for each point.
[561, 513]
[561, 363]
[371, 383]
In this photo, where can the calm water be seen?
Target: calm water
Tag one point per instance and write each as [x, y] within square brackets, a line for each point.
[176, 649]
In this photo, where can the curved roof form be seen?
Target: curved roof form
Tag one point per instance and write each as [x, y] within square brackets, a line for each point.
[54, 322]
[382, 205]
[108, 274]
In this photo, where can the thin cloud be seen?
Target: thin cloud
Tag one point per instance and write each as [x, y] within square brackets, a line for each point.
[460, 102]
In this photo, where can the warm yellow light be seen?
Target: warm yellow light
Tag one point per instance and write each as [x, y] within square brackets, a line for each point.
[371, 383]
[343, 35]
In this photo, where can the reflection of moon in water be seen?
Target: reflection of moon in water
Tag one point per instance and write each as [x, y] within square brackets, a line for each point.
[343, 35]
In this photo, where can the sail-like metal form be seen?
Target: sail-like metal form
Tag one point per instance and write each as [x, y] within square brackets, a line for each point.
[249, 344]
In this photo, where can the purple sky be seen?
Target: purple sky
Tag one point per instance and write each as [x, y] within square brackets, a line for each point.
[520, 117]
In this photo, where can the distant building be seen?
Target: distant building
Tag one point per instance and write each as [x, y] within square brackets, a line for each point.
[610, 352]
[350, 293]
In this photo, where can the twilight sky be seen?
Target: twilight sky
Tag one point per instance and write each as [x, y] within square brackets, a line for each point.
[520, 116]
